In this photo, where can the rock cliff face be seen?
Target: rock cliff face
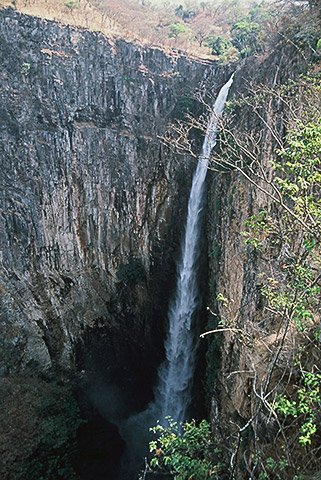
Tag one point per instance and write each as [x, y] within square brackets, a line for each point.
[92, 209]
[87, 189]
[240, 358]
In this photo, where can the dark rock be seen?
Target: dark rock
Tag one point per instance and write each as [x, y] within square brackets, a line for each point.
[86, 184]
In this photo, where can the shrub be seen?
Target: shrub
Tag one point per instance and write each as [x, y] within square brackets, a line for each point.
[184, 105]
[218, 43]
[132, 272]
[25, 69]
[231, 55]
[72, 4]
[58, 418]
[187, 452]
[176, 29]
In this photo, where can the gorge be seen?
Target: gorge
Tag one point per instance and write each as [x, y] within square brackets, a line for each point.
[89, 198]
[172, 392]
[93, 208]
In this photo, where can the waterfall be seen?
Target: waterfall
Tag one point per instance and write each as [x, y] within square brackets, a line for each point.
[175, 375]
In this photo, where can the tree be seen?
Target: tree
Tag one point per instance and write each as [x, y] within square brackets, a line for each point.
[218, 43]
[176, 29]
[246, 37]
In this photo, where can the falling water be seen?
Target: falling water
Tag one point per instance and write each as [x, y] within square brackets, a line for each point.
[173, 392]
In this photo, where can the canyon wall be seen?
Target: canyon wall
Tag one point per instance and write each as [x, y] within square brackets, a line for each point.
[90, 197]
[253, 358]
[93, 205]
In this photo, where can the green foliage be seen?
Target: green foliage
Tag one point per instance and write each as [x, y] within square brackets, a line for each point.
[187, 453]
[287, 235]
[185, 104]
[273, 469]
[297, 175]
[60, 419]
[132, 272]
[218, 43]
[300, 169]
[246, 37]
[72, 4]
[215, 251]
[220, 298]
[229, 57]
[222, 46]
[256, 225]
[127, 80]
[288, 297]
[252, 241]
[25, 69]
[177, 29]
[304, 406]
[298, 179]
[59, 416]
[260, 222]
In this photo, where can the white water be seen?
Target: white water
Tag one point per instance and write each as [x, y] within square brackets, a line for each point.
[173, 392]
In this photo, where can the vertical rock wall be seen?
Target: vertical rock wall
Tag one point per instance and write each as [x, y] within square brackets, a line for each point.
[240, 357]
[86, 187]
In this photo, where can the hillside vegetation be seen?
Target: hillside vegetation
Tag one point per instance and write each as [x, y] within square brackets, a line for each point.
[227, 31]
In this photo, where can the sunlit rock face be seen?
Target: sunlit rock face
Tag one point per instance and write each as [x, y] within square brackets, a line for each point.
[87, 188]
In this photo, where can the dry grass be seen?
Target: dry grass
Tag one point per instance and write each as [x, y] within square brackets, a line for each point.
[121, 18]
[87, 15]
